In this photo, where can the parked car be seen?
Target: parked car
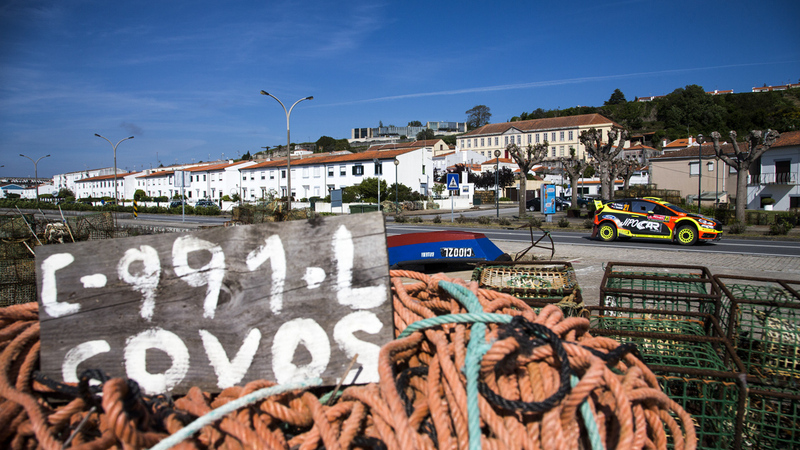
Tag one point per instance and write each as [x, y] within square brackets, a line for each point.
[652, 218]
[535, 204]
[583, 202]
[176, 203]
[206, 204]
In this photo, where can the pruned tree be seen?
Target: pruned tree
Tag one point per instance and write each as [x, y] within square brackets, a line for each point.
[604, 154]
[574, 168]
[526, 158]
[625, 168]
[757, 143]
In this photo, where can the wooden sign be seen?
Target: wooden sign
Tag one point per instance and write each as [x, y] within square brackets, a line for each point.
[282, 301]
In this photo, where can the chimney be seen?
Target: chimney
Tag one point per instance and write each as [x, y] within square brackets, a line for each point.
[690, 141]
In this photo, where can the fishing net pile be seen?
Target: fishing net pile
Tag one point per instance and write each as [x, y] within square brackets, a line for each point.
[470, 368]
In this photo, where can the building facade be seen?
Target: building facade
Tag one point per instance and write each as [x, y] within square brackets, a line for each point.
[560, 133]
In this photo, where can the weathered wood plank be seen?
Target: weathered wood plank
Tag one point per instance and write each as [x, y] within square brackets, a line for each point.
[218, 307]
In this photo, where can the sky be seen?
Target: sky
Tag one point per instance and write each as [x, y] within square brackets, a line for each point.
[183, 77]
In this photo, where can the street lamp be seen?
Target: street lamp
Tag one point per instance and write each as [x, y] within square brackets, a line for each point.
[497, 181]
[700, 140]
[116, 196]
[288, 144]
[396, 205]
[36, 173]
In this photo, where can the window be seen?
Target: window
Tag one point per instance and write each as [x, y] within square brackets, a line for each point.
[271, 174]
[330, 171]
[378, 168]
[482, 143]
[496, 140]
[342, 170]
[283, 173]
[305, 172]
[423, 169]
[554, 152]
[561, 136]
[519, 139]
[506, 140]
[794, 202]
[710, 166]
[204, 178]
[537, 138]
[469, 143]
[263, 175]
[694, 168]
[561, 150]
[317, 171]
[529, 139]
[358, 169]
[570, 135]
[476, 142]
[553, 136]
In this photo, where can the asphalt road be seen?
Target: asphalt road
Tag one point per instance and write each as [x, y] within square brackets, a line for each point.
[729, 246]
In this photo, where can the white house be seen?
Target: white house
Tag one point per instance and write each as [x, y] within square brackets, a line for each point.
[777, 175]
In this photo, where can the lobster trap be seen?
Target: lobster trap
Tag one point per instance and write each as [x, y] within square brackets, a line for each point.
[17, 275]
[763, 323]
[536, 283]
[694, 363]
[660, 286]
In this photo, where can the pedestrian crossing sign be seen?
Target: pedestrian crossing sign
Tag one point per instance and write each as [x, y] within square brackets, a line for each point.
[452, 182]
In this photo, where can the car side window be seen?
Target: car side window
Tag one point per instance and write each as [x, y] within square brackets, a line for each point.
[662, 210]
[641, 207]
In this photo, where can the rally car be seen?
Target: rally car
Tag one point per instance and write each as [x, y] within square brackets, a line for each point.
[652, 218]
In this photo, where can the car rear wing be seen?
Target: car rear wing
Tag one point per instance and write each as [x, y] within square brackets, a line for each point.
[598, 205]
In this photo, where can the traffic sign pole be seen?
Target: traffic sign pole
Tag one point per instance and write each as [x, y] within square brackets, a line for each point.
[452, 185]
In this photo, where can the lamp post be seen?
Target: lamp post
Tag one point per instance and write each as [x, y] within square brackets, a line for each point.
[288, 144]
[396, 204]
[36, 173]
[116, 195]
[700, 141]
[497, 181]
[378, 176]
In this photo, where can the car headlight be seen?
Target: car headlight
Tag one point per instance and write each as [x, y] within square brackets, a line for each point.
[706, 223]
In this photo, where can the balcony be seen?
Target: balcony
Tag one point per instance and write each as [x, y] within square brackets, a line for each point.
[773, 178]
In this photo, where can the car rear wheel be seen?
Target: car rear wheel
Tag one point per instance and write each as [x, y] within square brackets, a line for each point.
[607, 232]
[686, 235]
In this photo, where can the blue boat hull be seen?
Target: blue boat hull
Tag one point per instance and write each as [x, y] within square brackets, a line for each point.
[437, 247]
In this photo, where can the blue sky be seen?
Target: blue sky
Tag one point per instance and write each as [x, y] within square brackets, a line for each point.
[184, 77]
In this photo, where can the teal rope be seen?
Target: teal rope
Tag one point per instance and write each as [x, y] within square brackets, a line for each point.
[589, 420]
[222, 411]
[455, 318]
[476, 348]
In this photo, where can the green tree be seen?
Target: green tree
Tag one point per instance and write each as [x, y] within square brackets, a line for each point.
[368, 189]
[425, 134]
[140, 195]
[478, 116]
[64, 193]
[404, 193]
[326, 144]
[247, 156]
[415, 123]
[573, 167]
[617, 98]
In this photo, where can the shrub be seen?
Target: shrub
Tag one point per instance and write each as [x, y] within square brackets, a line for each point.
[484, 220]
[563, 222]
[463, 219]
[437, 218]
[505, 199]
[416, 219]
[588, 224]
[779, 229]
[737, 228]
[504, 221]
[400, 218]
[535, 222]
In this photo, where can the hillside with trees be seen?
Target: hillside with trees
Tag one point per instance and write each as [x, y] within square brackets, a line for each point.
[690, 111]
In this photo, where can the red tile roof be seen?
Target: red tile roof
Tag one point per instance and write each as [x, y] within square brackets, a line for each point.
[788, 139]
[405, 145]
[368, 155]
[543, 124]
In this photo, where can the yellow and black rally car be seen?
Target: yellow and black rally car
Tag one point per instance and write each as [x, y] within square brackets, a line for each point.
[652, 218]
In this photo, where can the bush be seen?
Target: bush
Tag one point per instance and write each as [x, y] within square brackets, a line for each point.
[484, 220]
[779, 229]
[737, 228]
[400, 218]
[463, 219]
[504, 221]
[505, 199]
[588, 224]
[437, 219]
[563, 222]
[416, 219]
[535, 222]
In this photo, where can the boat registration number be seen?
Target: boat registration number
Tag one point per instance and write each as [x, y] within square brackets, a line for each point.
[456, 252]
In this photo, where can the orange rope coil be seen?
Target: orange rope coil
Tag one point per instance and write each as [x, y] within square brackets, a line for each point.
[419, 402]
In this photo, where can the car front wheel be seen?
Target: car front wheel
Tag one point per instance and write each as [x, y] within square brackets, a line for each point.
[686, 235]
[607, 232]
